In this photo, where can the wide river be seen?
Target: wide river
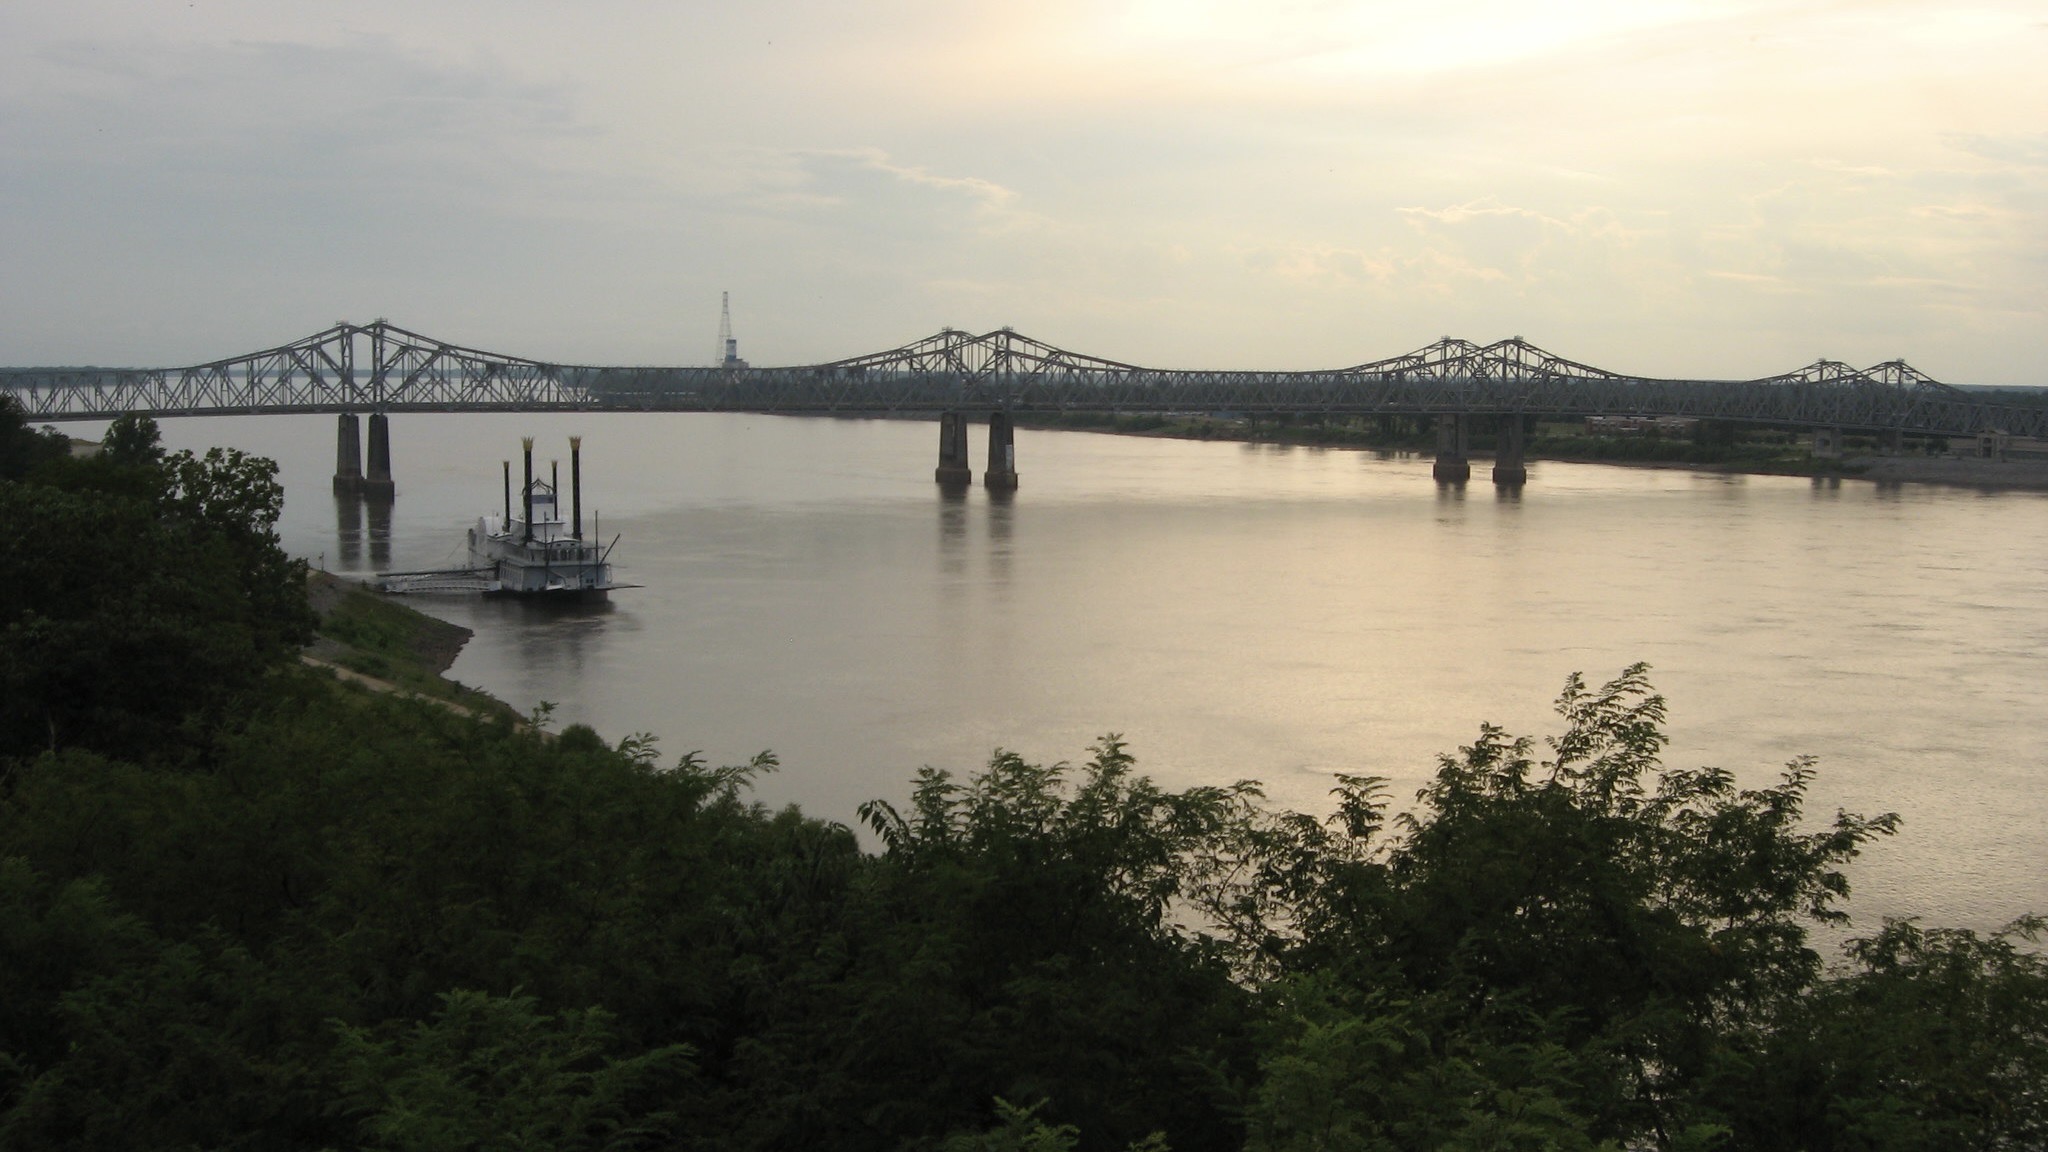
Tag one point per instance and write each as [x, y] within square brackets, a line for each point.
[1245, 612]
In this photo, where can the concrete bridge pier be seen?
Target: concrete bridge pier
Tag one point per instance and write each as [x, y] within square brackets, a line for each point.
[1895, 442]
[953, 470]
[1453, 453]
[348, 456]
[1510, 443]
[1001, 475]
[377, 483]
[1827, 443]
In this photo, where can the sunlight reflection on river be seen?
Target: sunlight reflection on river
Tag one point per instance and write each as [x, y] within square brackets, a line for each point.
[1239, 611]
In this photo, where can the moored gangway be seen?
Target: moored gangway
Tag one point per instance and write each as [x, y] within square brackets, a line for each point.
[437, 580]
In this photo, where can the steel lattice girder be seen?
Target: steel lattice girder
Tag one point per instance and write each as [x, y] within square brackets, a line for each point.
[381, 367]
[346, 368]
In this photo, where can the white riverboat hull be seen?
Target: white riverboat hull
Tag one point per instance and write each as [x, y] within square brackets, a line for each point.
[546, 565]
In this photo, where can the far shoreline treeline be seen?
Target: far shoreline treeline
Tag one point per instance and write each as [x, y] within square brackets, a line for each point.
[247, 902]
[1703, 446]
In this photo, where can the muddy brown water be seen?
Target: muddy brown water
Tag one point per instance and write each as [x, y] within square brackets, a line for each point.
[1246, 611]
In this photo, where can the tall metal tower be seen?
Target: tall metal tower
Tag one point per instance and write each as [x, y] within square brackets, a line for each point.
[728, 347]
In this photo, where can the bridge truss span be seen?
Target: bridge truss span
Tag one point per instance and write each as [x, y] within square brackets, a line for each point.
[380, 367]
[346, 368]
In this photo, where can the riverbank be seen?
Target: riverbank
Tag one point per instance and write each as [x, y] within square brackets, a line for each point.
[1961, 472]
[388, 647]
[1780, 454]
[1947, 471]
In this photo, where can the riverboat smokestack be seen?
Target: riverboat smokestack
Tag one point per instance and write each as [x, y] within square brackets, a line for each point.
[508, 495]
[576, 481]
[526, 448]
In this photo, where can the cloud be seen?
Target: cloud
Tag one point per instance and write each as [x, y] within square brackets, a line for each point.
[364, 95]
[222, 139]
[1303, 183]
[846, 177]
[2024, 149]
[990, 194]
[1480, 210]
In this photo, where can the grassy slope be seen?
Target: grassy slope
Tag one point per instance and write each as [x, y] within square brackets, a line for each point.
[377, 637]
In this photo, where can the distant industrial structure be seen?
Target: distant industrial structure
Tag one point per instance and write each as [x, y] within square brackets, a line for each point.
[728, 358]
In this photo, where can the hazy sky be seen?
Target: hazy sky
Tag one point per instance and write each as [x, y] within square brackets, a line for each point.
[1657, 186]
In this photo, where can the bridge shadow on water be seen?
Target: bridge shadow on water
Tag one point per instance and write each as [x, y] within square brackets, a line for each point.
[1457, 491]
[348, 530]
[952, 531]
[379, 514]
[955, 521]
[351, 512]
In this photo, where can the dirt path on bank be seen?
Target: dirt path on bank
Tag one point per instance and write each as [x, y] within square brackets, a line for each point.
[385, 686]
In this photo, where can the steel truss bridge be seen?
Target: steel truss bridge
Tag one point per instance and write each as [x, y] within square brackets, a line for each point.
[380, 367]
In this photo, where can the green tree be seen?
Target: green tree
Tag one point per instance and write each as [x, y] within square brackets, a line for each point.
[137, 590]
[1595, 902]
[23, 449]
[55, 937]
[340, 856]
[1020, 1130]
[191, 1043]
[1931, 1038]
[1021, 938]
[132, 441]
[495, 1074]
[1345, 1071]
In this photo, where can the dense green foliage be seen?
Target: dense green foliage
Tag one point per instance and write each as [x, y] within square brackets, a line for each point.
[24, 449]
[287, 912]
[141, 593]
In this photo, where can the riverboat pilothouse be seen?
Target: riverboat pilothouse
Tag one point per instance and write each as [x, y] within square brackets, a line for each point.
[531, 550]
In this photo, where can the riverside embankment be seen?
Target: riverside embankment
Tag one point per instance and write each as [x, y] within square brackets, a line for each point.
[1768, 453]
